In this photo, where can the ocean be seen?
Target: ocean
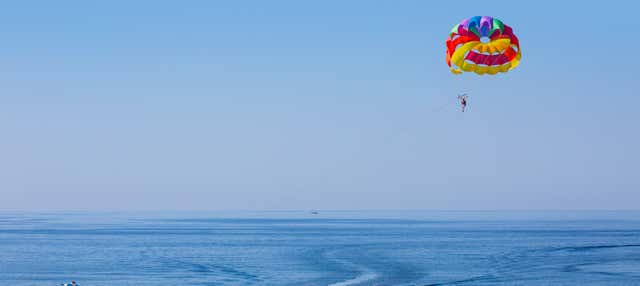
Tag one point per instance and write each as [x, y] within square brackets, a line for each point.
[336, 248]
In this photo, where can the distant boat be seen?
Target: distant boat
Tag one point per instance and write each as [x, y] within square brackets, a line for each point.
[314, 212]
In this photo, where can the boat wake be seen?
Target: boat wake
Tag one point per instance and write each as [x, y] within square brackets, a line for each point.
[362, 278]
[345, 257]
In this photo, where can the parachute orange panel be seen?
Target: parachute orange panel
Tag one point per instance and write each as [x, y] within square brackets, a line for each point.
[483, 45]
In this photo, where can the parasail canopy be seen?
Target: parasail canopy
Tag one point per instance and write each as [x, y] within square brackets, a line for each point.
[483, 45]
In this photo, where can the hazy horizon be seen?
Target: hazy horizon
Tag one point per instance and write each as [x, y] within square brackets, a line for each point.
[283, 105]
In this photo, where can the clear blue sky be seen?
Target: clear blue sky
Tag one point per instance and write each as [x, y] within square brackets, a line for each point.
[121, 105]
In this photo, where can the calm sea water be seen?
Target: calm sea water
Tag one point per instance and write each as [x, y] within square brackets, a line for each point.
[328, 248]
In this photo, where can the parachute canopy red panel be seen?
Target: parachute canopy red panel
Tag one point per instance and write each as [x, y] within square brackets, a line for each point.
[483, 45]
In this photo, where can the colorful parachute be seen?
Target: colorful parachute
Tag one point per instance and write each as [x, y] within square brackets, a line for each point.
[483, 45]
